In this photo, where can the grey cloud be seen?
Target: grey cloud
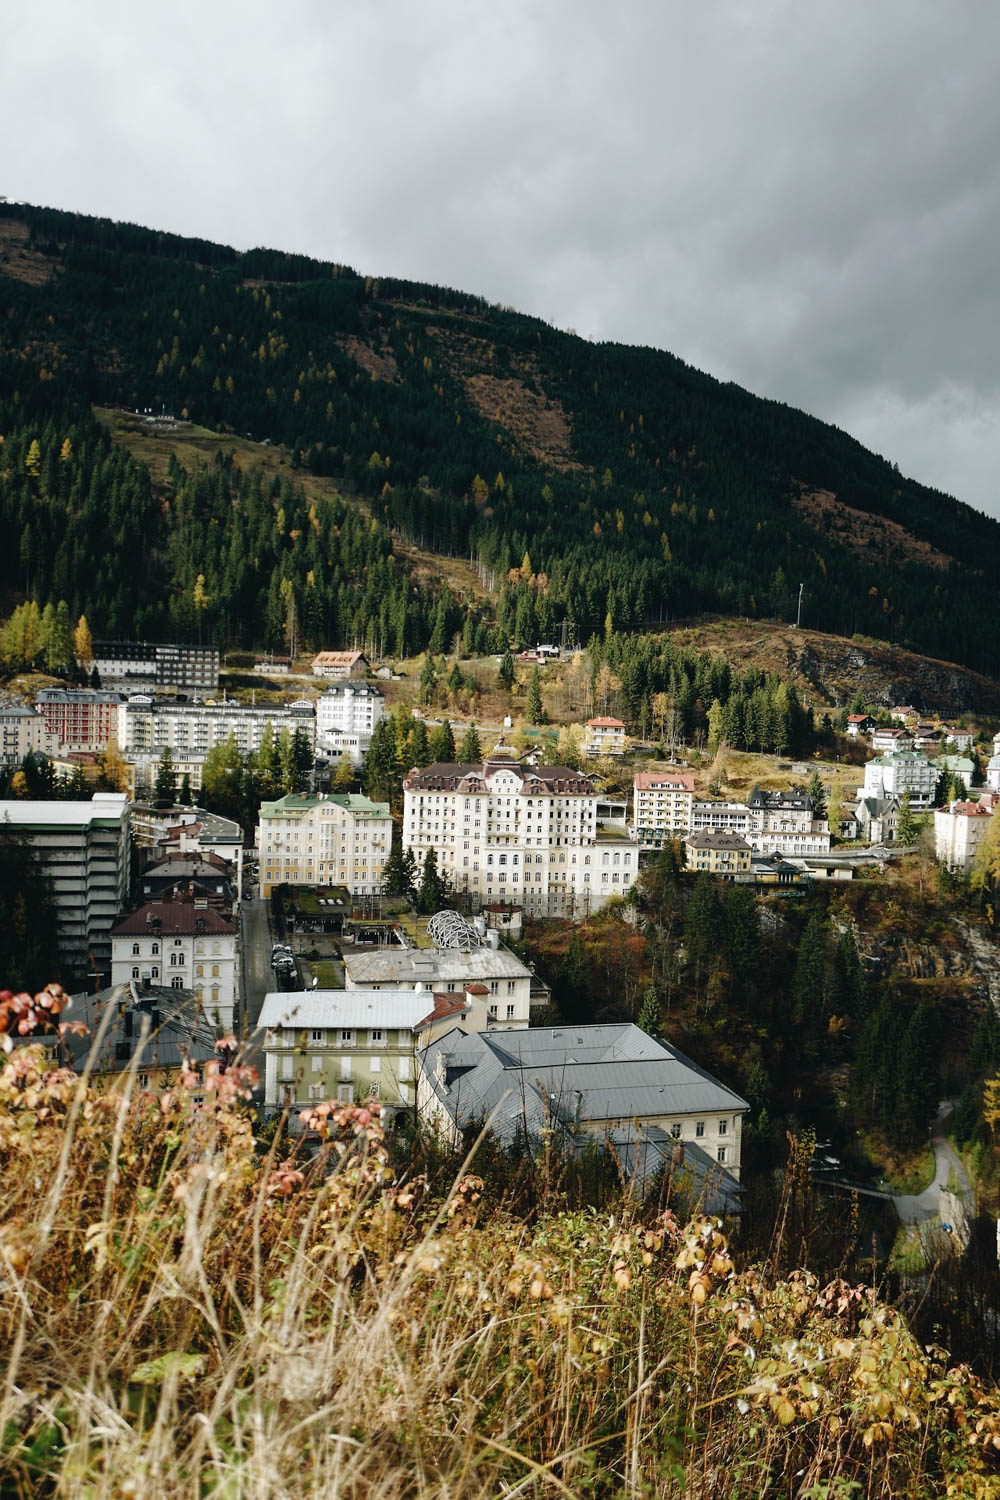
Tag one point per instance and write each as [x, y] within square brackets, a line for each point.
[803, 199]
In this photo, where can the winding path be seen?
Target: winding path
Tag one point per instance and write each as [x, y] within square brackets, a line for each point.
[917, 1208]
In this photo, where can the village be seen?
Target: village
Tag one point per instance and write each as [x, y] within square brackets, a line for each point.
[184, 921]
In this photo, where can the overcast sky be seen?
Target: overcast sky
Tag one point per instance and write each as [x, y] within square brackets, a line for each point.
[802, 198]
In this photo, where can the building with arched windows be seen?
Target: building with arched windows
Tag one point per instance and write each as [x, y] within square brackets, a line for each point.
[180, 944]
[506, 831]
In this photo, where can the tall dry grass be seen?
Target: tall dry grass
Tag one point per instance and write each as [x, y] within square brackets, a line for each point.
[184, 1314]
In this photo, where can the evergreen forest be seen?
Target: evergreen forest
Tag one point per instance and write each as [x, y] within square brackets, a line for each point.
[611, 488]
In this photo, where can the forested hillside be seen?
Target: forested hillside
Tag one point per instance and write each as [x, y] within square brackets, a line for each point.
[591, 482]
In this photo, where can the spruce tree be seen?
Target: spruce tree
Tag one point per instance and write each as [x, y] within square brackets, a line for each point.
[906, 832]
[433, 893]
[470, 751]
[816, 795]
[442, 743]
[165, 786]
[505, 676]
[535, 712]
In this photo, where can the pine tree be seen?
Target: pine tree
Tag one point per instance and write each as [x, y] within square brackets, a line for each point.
[397, 878]
[185, 796]
[165, 787]
[809, 989]
[505, 676]
[906, 832]
[470, 751]
[816, 795]
[534, 710]
[651, 1014]
[442, 743]
[433, 893]
[378, 774]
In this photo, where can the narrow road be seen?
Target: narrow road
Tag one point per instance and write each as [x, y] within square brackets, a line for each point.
[919, 1207]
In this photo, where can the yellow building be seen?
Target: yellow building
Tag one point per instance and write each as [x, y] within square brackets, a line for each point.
[718, 852]
[324, 839]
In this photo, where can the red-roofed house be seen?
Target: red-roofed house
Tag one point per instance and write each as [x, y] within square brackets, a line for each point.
[604, 737]
[859, 723]
[959, 830]
[186, 944]
[663, 807]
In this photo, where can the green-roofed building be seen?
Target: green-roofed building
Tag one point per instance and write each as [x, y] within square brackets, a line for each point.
[319, 838]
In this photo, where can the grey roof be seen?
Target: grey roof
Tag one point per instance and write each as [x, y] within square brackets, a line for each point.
[587, 1074]
[181, 1030]
[793, 799]
[399, 1010]
[649, 1150]
[432, 966]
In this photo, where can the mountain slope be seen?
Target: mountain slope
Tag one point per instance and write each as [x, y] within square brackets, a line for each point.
[587, 481]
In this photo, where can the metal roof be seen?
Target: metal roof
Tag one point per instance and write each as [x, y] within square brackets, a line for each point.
[400, 1010]
[432, 966]
[581, 1074]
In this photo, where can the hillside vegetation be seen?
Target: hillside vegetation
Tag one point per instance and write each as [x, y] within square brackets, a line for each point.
[188, 1311]
[588, 482]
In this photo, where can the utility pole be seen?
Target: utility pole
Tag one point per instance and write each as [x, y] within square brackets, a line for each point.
[798, 613]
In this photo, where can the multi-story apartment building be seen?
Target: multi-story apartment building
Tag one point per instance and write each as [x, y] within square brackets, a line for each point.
[85, 849]
[959, 830]
[169, 668]
[346, 716]
[353, 1044]
[604, 736]
[506, 831]
[489, 971]
[905, 770]
[187, 944]
[783, 823]
[663, 807]
[80, 718]
[718, 852]
[190, 730]
[887, 741]
[731, 817]
[23, 731]
[324, 839]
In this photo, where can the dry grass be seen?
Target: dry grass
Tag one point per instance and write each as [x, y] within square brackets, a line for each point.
[185, 1312]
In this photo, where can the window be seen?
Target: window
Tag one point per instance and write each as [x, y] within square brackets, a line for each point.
[156, 948]
[675, 1131]
[135, 948]
[177, 983]
[143, 1080]
[345, 1093]
[723, 1127]
[374, 1090]
[720, 1155]
[347, 1038]
[375, 1036]
[317, 1064]
[317, 1036]
[135, 972]
[510, 1012]
[493, 1012]
[376, 1065]
[699, 1128]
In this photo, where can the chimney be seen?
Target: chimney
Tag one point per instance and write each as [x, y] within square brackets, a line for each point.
[128, 1018]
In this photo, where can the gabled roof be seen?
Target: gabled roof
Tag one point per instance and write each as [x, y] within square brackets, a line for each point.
[577, 1074]
[172, 919]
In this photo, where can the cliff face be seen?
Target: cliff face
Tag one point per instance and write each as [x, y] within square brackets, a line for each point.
[830, 669]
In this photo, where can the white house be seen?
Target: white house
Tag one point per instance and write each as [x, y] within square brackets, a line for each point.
[594, 1082]
[959, 829]
[905, 770]
[488, 971]
[183, 943]
[663, 807]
